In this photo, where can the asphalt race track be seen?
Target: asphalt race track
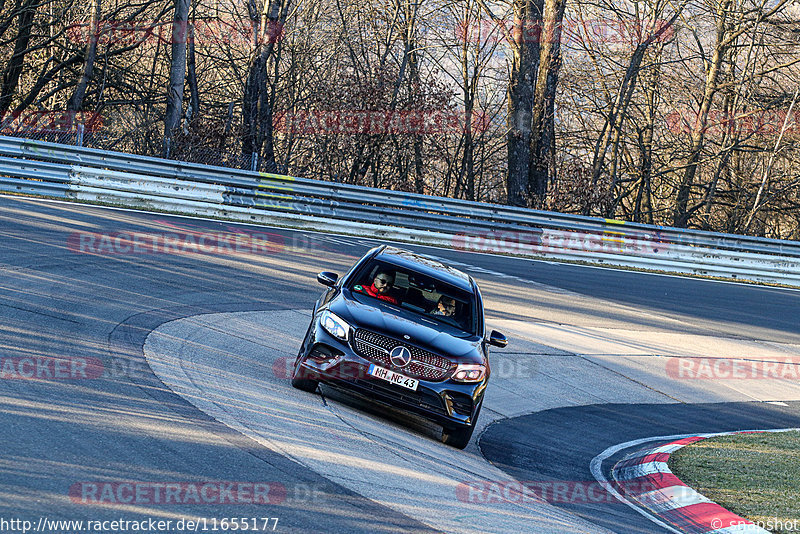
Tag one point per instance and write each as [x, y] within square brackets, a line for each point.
[145, 379]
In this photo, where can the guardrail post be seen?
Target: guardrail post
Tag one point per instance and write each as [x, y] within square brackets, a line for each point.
[79, 136]
[254, 161]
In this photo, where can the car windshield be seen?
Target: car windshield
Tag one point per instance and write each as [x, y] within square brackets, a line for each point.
[424, 296]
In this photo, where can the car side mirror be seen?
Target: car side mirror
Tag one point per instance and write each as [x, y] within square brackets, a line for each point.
[327, 278]
[497, 339]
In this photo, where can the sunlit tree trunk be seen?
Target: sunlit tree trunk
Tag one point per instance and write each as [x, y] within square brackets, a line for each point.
[177, 73]
[259, 91]
[542, 152]
[524, 51]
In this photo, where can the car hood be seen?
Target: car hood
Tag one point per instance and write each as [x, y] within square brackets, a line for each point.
[397, 323]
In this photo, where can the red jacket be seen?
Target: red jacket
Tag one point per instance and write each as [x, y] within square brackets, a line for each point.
[371, 291]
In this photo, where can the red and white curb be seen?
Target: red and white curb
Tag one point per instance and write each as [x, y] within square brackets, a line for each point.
[645, 483]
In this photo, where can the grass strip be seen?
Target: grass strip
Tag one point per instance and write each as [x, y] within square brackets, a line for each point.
[756, 476]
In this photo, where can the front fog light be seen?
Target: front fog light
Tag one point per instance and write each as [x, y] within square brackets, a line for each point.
[469, 372]
[334, 325]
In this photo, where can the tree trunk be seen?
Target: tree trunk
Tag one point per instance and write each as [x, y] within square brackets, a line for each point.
[524, 65]
[254, 95]
[611, 131]
[468, 90]
[644, 193]
[542, 152]
[413, 80]
[14, 68]
[419, 164]
[259, 91]
[177, 74]
[617, 111]
[76, 101]
[469, 162]
[681, 214]
[194, 93]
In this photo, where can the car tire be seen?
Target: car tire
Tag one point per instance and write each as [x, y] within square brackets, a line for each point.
[457, 437]
[303, 384]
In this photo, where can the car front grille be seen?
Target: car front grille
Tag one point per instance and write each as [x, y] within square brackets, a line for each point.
[424, 365]
[428, 401]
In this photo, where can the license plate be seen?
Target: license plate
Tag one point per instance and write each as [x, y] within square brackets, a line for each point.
[394, 378]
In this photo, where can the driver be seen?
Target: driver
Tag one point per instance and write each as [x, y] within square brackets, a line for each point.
[381, 287]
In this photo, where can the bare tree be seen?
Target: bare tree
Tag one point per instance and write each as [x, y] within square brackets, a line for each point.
[617, 112]
[686, 120]
[260, 89]
[76, 101]
[522, 80]
[26, 11]
[535, 50]
[730, 24]
[177, 73]
[542, 167]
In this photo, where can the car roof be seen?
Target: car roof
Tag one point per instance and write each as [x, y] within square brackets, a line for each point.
[426, 265]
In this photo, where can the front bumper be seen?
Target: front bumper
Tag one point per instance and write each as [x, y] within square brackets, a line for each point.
[448, 403]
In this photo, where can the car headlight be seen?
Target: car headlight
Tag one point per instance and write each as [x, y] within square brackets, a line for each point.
[334, 325]
[469, 372]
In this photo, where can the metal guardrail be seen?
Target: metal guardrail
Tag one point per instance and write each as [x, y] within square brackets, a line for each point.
[40, 168]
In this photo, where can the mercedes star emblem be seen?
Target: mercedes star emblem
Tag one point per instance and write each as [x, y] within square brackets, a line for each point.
[400, 356]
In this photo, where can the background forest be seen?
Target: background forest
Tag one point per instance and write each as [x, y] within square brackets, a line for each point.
[672, 112]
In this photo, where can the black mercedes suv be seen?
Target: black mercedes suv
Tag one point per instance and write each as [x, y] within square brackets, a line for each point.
[406, 331]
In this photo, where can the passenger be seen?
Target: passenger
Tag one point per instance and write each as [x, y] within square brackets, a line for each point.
[446, 306]
[381, 287]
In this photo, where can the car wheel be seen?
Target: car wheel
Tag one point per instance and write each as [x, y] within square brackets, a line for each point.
[457, 437]
[304, 384]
